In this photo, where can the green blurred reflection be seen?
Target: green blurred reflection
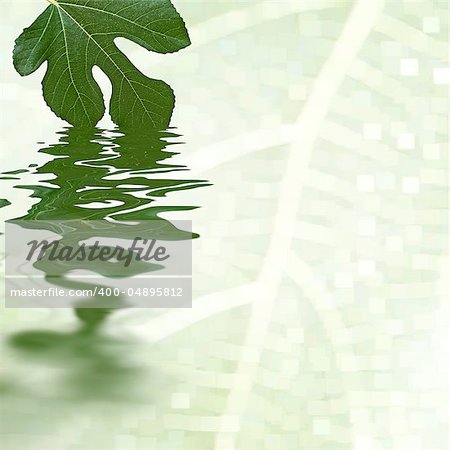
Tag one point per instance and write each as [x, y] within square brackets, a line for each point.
[114, 179]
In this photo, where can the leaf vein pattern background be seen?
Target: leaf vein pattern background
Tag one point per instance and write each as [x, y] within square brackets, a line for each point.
[320, 303]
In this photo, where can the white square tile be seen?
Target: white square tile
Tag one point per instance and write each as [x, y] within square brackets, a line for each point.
[410, 185]
[377, 305]
[321, 426]
[295, 335]
[364, 442]
[406, 141]
[262, 190]
[366, 267]
[432, 151]
[289, 367]
[431, 25]
[367, 226]
[395, 327]
[250, 354]
[180, 401]
[441, 75]
[343, 281]
[421, 262]
[365, 183]
[343, 256]
[414, 233]
[372, 131]
[409, 67]
[394, 243]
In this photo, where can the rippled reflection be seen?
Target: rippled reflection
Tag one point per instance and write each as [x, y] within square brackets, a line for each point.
[119, 179]
[102, 173]
[109, 176]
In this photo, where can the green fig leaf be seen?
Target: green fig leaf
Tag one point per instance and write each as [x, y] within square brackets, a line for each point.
[73, 36]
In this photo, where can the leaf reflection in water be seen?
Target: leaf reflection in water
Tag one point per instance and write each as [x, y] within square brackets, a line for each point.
[115, 179]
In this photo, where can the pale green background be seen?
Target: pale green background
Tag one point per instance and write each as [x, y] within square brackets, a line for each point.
[320, 316]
